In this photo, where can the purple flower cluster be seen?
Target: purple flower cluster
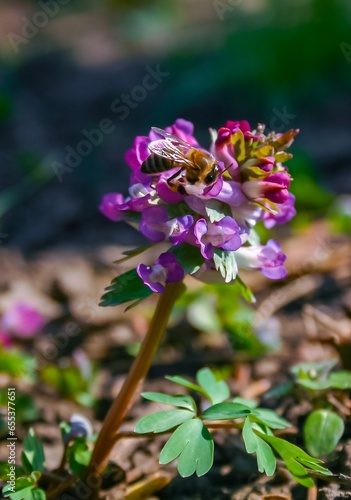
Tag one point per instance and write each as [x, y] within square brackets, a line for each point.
[219, 218]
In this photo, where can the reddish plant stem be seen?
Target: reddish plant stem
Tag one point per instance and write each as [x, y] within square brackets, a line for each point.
[140, 367]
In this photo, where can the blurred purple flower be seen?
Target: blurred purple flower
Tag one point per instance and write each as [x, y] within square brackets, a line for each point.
[22, 320]
[165, 270]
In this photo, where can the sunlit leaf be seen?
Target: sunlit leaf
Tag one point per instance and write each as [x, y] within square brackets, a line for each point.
[177, 379]
[194, 445]
[217, 390]
[125, 288]
[266, 460]
[161, 421]
[180, 400]
[225, 411]
[34, 451]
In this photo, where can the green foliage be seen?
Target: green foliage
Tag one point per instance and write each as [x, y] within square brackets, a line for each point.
[220, 307]
[254, 444]
[225, 411]
[163, 421]
[79, 456]
[26, 410]
[322, 432]
[17, 364]
[125, 288]
[27, 476]
[34, 451]
[182, 401]
[191, 441]
[194, 446]
[216, 390]
[130, 287]
[70, 383]
[188, 256]
[296, 460]
[315, 376]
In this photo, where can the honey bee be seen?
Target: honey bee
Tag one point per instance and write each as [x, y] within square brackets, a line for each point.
[196, 167]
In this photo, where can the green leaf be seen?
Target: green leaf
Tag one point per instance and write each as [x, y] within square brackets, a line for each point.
[225, 411]
[202, 314]
[132, 253]
[194, 445]
[5, 470]
[296, 460]
[38, 494]
[21, 494]
[246, 402]
[340, 380]
[322, 432]
[180, 400]
[254, 444]
[314, 385]
[244, 290]
[161, 421]
[34, 451]
[269, 418]
[177, 379]
[17, 364]
[188, 256]
[26, 409]
[124, 288]
[79, 456]
[27, 466]
[225, 263]
[217, 391]
[313, 371]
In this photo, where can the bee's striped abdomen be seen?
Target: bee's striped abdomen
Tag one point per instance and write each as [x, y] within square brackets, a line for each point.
[154, 164]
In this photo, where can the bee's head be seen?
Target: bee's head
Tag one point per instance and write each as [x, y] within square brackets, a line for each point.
[213, 175]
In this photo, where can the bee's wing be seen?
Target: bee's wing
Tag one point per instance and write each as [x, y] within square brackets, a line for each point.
[170, 137]
[171, 151]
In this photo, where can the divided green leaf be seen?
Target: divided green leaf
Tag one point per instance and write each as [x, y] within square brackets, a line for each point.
[216, 390]
[296, 460]
[266, 460]
[125, 288]
[161, 421]
[194, 446]
[225, 411]
[269, 418]
[177, 379]
[180, 400]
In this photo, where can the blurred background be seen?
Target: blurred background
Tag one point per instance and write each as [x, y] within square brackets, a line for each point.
[71, 67]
